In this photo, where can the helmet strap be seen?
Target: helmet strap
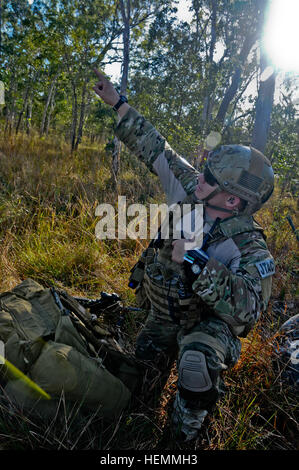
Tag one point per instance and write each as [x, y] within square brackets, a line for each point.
[222, 209]
[213, 193]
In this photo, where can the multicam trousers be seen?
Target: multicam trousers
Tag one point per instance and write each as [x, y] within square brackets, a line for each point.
[161, 340]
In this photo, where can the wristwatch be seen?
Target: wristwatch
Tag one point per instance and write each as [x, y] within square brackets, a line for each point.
[195, 268]
[122, 99]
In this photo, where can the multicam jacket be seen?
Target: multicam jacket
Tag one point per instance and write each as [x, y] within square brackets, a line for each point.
[235, 284]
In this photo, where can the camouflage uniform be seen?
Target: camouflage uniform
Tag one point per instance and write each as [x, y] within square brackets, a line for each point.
[288, 351]
[226, 299]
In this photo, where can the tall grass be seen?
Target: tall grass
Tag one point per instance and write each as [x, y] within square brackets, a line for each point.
[48, 199]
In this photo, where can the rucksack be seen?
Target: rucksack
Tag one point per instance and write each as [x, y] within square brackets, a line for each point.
[53, 345]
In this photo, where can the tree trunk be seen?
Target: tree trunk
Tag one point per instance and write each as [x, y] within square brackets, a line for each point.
[250, 39]
[51, 109]
[233, 88]
[74, 117]
[1, 28]
[213, 30]
[29, 115]
[49, 98]
[10, 106]
[207, 101]
[126, 51]
[82, 115]
[196, 7]
[22, 110]
[9, 120]
[126, 13]
[264, 106]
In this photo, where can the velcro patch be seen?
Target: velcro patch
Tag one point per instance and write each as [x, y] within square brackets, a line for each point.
[266, 267]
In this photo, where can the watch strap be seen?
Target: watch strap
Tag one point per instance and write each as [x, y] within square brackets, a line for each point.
[122, 99]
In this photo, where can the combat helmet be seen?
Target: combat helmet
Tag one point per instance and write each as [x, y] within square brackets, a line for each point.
[244, 172]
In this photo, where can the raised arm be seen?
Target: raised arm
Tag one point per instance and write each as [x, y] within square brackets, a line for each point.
[177, 176]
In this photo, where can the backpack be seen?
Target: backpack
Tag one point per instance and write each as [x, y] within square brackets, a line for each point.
[53, 345]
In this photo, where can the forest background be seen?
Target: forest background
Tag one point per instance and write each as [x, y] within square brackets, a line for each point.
[200, 82]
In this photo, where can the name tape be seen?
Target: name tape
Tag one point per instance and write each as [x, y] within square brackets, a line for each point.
[266, 267]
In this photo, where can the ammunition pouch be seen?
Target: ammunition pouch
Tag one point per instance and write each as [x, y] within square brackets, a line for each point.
[137, 277]
[173, 300]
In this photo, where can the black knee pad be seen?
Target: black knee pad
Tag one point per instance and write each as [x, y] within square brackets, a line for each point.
[195, 383]
[193, 372]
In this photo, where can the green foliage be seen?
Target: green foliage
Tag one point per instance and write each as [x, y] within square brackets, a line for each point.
[284, 142]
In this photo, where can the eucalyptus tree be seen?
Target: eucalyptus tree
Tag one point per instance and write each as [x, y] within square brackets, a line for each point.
[283, 139]
[19, 59]
[87, 30]
[166, 80]
[233, 27]
[191, 78]
[264, 104]
[134, 16]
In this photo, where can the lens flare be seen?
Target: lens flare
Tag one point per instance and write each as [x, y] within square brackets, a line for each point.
[212, 140]
[281, 34]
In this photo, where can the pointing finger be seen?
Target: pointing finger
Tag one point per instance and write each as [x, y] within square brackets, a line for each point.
[99, 74]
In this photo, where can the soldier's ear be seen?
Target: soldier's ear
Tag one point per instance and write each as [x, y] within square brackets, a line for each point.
[232, 202]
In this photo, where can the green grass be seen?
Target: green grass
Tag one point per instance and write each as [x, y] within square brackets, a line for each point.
[48, 199]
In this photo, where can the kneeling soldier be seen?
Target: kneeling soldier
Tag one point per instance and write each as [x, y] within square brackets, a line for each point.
[203, 299]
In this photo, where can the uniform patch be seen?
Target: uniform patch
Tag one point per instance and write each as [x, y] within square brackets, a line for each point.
[266, 267]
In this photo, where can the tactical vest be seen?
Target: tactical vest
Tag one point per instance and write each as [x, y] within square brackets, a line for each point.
[163, 282]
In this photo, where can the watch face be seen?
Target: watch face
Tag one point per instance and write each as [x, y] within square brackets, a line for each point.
[195, 268]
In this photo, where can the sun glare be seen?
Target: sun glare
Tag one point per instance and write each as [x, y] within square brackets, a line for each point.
[281, 34]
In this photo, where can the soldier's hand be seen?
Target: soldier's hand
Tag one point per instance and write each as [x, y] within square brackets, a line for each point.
[180, 247]
[178, 251]
[105, 90]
